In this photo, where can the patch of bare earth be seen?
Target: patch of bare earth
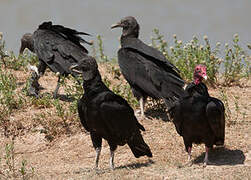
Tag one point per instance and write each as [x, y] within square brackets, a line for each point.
[70, 154]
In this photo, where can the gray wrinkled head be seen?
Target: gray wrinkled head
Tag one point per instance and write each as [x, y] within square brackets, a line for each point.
[88, 67]
[26, 42]
[130, 27]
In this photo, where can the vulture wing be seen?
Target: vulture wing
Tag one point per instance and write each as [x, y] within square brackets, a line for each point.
[58, 47]
[157, 77]
[118, 117]
[216, 117]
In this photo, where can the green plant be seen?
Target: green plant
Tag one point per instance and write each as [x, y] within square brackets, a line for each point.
[2, 50]
[237, 107]
[21, 62]
[10, 158]
[9, 169]
[9, 100]
[124, 90]
[102, 56]
[185, 56]
[59, 108]
[42, 102]
[236, 64]
[162, 44]
[224, 98]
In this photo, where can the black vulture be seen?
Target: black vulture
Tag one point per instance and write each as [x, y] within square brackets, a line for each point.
[106, 115]
[198, 117]
[145, 68]
[57, 47]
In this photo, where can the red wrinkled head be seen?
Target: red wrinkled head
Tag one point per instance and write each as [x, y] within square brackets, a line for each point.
[200, 73]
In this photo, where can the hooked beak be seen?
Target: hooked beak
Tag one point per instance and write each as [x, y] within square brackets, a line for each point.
[72, 68]
[205, 77]
[116, 25]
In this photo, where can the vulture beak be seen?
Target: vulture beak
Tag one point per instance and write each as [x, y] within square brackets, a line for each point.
[116, 25]
[205, 77]
[72, 68]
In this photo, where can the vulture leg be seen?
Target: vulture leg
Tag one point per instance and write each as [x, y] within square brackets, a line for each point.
[142, 103]
[98, 150]
[36, 74]
[112, 150]
[189, 153]
[206, 157]
[97, 142]
[189, 150]
[34, 86]
[112, 159]
[56, 90]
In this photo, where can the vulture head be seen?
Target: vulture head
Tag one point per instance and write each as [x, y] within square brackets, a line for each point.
[129, 25]
[26, 42]
[200, 73]
[88, 67]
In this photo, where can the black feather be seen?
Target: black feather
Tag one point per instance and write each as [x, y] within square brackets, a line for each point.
[107, 115]
[146, 69]
[199, 118]
[58, 46]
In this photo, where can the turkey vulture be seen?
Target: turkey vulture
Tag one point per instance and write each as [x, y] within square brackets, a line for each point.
[106, 115]
[145, 68]
[198, 117]
[57, 47]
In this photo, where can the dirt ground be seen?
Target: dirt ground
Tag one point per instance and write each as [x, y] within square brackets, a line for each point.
[71, 155]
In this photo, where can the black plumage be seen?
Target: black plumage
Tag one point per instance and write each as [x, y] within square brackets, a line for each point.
[145, 68]
[107, 116]
[198, 117]
[57, 47]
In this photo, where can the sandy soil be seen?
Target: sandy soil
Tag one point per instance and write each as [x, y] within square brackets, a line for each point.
[70, 154]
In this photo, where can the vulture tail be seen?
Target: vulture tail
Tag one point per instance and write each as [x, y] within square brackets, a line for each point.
[138, 146]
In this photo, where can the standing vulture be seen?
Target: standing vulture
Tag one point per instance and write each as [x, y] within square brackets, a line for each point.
[57, 47]
[145, 68]
[199, 118]
[106, 115]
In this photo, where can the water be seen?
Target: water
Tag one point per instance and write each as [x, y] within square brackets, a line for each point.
[218, 19]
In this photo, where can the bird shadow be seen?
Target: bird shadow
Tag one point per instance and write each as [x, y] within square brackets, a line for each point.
[61, 97]
[65, 98]
[20, 83]
[157, 114]
[136, 165]
[222, 156]
[106, 170]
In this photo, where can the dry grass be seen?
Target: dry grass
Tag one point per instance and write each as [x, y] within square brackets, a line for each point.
[61, 149]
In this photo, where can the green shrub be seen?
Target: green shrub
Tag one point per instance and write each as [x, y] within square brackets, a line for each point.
[185, 56]
[236, 64]
[9, 100]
